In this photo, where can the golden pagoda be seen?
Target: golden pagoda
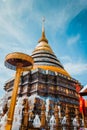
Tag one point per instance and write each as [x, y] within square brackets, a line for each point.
[47, 82]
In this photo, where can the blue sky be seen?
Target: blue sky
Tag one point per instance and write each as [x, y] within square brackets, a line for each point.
[65, 27]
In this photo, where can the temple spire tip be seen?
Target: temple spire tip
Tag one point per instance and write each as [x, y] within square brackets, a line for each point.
[43, 37]
[43, 22]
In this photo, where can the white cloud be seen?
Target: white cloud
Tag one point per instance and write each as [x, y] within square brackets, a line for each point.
[58, 18]
[4, 0]
[11, 24]
[6, 73]
[73, 39]
[76, 68]
[66, 59]
[61, 17]
[11, 30]
[12, 34]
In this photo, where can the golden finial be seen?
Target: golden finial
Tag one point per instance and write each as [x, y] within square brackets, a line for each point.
[43, 38]
[43, 19]
[43, 22]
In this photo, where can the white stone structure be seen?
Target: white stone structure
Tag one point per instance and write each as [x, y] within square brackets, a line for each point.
[36, 122]
[3, 122]
[47, 108]
[75, 124]
[64, 123]
[52, 122]
[17, 115]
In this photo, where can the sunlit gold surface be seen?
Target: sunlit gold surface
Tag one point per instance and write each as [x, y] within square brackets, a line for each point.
[52, 68]
[43, 37]
[26, 60]
[43, 46]
[43, 116]
[13, 100]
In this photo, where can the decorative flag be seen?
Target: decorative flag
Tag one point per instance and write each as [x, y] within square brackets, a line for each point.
[78, 87]
[84, 110]
[86, 103]
[82, 105]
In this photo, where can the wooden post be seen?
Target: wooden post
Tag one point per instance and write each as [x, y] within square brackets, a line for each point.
[67, 118]
[25, 115]
[83, 117]
[19, 62]
[56, 116]
[13, 99]
[77, 116]
[43, 116]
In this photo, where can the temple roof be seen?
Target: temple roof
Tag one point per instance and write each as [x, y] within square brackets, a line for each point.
[45, 58]
[83, 91]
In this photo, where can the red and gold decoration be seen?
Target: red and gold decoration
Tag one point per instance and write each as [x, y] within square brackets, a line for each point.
[83, 109]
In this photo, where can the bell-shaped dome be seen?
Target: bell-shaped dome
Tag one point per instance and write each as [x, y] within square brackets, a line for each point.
[45, 58]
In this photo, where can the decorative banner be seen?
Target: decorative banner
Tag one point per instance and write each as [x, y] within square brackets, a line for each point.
[84, 110]
[86, 103]
[78, 87]
[82, 105]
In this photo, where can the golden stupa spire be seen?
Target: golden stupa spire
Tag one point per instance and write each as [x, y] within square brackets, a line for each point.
[43, 37]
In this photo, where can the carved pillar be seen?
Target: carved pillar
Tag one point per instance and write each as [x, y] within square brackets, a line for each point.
[85, 121]
[13, 99]
[43, 116]
[77, 116]
[56, 117]
[67, 118]
[25, 115]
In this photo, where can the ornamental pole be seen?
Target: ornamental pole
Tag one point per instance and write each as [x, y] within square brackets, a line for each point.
[16, 61]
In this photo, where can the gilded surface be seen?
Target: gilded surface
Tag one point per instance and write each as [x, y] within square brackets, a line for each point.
[52, 68]
[13, 100]
[18, 55]
[43, 48]
[13, 60]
